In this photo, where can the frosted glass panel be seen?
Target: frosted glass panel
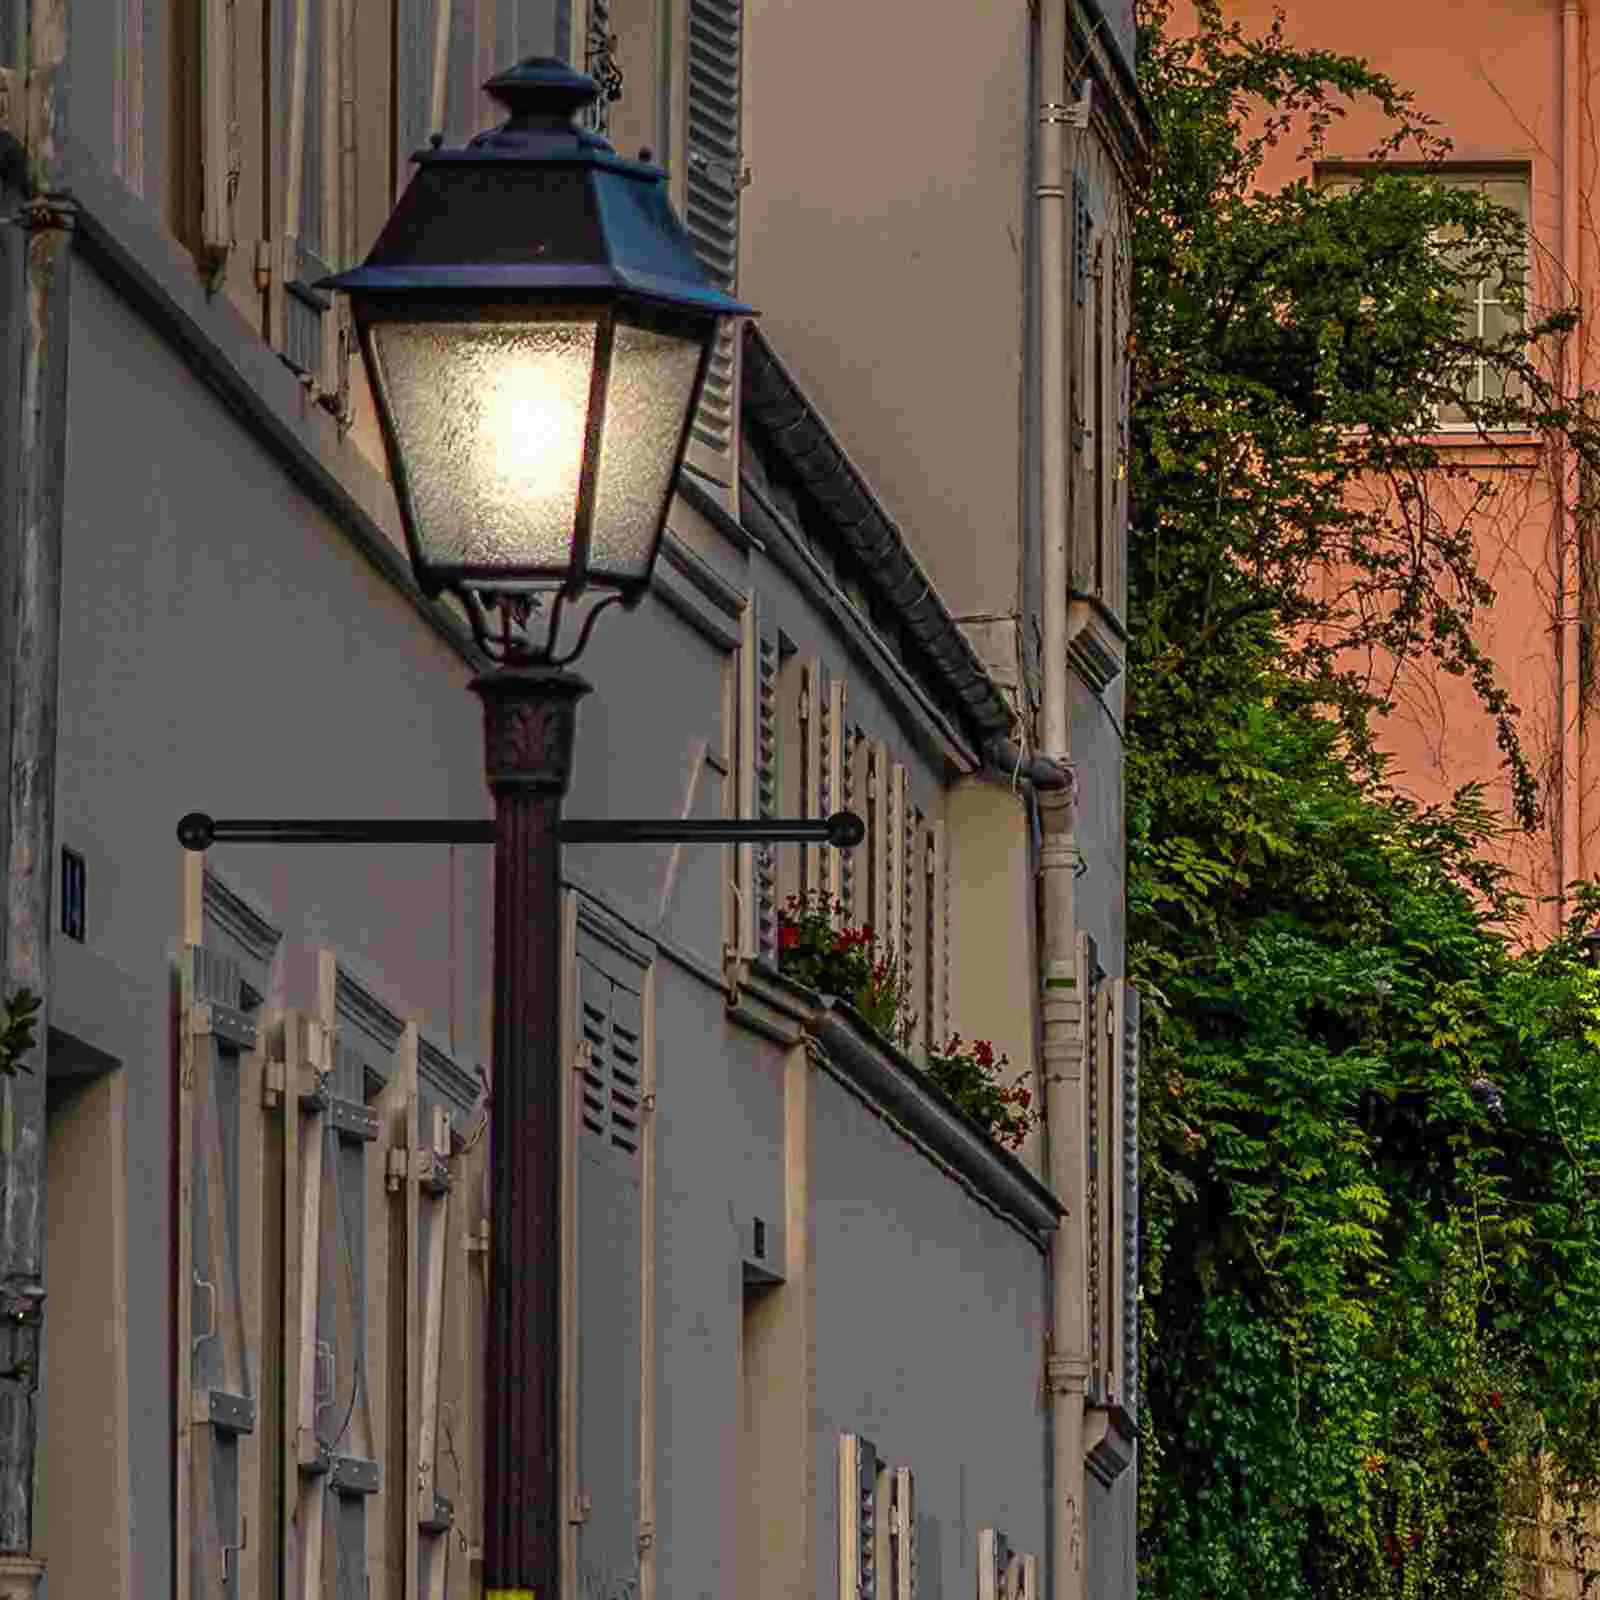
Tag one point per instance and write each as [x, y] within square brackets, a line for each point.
[490, 418]
[647, 404]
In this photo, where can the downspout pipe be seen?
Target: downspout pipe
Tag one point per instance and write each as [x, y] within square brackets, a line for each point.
[33, 421]
[1571, 848]
[1061, 1008]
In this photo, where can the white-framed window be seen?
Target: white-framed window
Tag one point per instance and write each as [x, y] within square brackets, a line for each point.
[1486, 312]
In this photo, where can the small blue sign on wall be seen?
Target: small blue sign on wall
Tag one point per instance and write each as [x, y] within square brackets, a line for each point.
[74, 886]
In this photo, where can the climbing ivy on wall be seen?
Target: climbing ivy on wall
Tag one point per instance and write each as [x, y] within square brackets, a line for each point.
[1371, 1115]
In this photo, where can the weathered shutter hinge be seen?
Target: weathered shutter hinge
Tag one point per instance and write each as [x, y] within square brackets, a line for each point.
[477, 1242]
[264, 255]
[397, 1167]
[274, 1078]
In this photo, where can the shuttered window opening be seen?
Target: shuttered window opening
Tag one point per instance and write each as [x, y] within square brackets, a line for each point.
[342, 1370]
[315, 141]
[715, 176]
[611, 1069]
[223, 1232]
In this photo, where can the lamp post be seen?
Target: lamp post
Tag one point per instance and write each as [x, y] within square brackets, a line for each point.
[536, 328]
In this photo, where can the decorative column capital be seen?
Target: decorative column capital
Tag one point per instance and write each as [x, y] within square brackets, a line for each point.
[530, 716]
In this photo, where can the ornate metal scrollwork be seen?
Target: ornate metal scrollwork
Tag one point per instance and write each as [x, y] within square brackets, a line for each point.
[600, 62]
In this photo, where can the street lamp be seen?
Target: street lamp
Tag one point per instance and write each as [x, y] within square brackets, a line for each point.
[536, 328]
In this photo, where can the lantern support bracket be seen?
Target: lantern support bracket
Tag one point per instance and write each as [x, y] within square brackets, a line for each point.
[844, 830]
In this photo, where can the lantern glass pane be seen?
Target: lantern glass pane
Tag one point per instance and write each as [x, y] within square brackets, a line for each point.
[649, 387]
[490, 418]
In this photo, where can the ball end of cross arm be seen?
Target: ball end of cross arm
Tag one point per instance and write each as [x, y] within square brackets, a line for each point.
[196, 831]
[846, 830]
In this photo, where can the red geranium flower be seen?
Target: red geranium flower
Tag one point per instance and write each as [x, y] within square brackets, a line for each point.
[788, 936]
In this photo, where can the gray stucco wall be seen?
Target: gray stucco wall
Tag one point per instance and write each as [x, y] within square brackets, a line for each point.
[224, 649]
[930, 1322]
[719, 1133]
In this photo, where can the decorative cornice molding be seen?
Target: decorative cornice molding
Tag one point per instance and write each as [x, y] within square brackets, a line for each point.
[355, 1003]
[237, 916]
[446, 1077]
[697, 593]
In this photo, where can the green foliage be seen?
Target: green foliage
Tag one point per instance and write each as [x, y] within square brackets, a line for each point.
[17, 1032]
[1371, 1126]
[817, 946]
[972, 1076]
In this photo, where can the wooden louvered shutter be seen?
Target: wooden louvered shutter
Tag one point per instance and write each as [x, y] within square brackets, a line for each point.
[767, 778]
[898, 1574]
[609, 1367]
[446, 1130]
[346, 1092]
[220, 1156]
[220, 144]
[893, 936]
[714, 180]
[879, 842]
[1125, 1043]
[813, 771]
[309, 330]
[1102, 1127]
[937, 915]
[858, 1518]
[994, 1564]
[836, 744]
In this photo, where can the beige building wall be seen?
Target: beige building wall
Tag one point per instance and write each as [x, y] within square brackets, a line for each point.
[883, 239]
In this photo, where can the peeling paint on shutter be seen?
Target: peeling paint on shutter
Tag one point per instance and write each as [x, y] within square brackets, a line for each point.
[442, 1102]
[220, 1108]
[715, 177]
[1126, 1043]
[858, 1523]
[347, 1091]
[609, 1364]
[313, 115]
[220, 144]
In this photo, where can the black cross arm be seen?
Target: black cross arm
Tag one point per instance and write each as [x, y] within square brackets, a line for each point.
[844, 830]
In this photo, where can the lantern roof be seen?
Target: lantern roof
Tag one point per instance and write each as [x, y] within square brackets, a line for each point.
[537, 205]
